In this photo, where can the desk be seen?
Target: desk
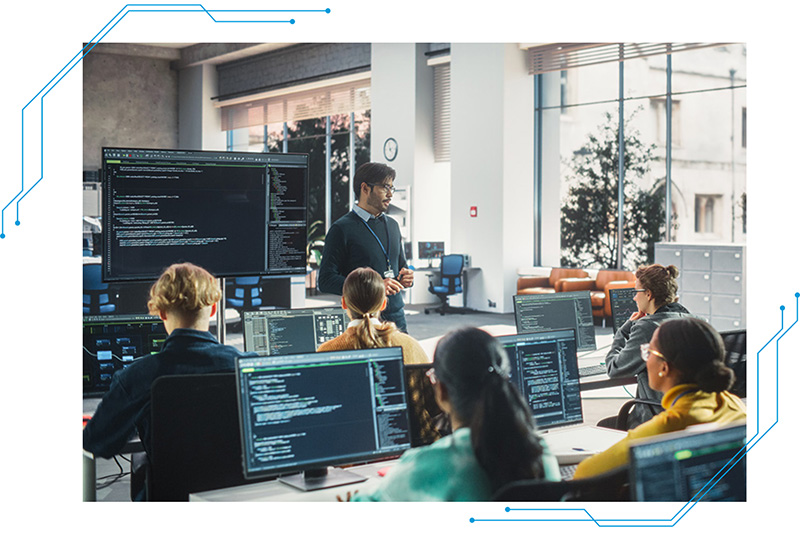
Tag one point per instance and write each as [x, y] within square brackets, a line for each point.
[275, 491]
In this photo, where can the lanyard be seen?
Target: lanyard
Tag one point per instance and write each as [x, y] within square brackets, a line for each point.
[385, 253]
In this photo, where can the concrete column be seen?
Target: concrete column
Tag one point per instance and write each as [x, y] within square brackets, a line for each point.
[199, 122]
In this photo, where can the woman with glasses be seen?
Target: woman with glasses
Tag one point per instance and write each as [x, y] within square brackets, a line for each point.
[685, 361]
[656, 294]
[364, 297]
[494, 439]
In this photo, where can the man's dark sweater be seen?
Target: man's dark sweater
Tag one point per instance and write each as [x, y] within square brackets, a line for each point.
[350, 245]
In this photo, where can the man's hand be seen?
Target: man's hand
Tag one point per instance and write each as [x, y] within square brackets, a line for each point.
[406, 277]
[392, 286]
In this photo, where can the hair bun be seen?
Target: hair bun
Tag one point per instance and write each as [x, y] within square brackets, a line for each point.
[672, 270]
[716, 377]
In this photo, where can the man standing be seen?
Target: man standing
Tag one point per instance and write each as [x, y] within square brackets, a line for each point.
[366, 237]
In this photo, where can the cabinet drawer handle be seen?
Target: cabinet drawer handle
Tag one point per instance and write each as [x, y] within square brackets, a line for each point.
[736, 300]
[705, 298]
[736, 322]
[736, 278]
[706, 276]
[706, 254]
[677, 254]
[737, 256]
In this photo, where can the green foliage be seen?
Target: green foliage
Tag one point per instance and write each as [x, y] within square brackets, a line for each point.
[589, 215]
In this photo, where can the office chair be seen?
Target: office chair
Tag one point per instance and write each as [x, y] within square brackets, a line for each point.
[613, 486]
[196, 445]
[96, 294]
[244, 293]
[736, 358]
[451, 268]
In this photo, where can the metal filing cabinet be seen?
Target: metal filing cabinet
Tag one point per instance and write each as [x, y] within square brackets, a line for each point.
[711, 282]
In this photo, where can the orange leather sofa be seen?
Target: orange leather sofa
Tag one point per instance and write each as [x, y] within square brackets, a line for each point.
[548, 284]
[598, 288]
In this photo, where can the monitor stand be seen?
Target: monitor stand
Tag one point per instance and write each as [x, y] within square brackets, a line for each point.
[322, 478]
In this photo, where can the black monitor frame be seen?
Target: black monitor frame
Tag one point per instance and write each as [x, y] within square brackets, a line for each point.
[189, 236]
[314, 473]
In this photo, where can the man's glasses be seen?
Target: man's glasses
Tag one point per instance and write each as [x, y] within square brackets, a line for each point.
[387, 188]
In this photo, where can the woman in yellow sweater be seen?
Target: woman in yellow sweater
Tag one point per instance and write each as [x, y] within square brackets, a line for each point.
[364, 297]
[686, 361]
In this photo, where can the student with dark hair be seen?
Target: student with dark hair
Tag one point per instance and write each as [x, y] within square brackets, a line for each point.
[656, 294]
[494, 439]
[185, 297]
[364, 298]
[686, 361]
[367, 237]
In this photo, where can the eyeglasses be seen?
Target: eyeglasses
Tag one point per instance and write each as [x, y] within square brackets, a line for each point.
[387, 188]
[646, 352]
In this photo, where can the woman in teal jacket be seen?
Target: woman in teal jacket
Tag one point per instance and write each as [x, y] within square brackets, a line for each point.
[494, 440]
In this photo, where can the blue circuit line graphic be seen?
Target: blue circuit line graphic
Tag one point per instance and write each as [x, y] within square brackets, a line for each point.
[688, 506]
[94, 41]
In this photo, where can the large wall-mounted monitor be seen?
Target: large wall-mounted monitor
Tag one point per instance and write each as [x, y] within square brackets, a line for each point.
[233, 213]
[307, 412]
[560, 310]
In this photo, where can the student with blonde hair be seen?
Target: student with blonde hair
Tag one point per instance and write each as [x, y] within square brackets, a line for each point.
[364, 297]
[185, 297]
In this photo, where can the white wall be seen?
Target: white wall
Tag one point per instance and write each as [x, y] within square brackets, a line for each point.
[492, 168]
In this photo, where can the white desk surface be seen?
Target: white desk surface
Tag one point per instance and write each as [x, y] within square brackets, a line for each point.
[275, 491]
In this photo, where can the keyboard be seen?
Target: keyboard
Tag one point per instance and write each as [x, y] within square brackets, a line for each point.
[567, 471]
[592, 370]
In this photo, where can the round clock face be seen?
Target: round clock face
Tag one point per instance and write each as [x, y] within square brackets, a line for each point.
[390, 149]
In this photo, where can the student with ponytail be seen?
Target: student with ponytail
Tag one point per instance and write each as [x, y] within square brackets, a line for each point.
[494, 440]
[686, 362]
[364, 297]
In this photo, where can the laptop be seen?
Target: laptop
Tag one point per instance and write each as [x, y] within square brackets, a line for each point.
[544, 367]
[704, 462]
[292, 331]
[622, 305]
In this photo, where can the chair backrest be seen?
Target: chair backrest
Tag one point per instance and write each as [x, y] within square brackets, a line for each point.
[609, 487]
[736, 358]
[97, 298]
[452, 265]
[196, 444]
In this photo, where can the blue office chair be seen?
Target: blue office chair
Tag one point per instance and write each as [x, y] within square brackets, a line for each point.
[451, 268]
[96, 294]
[244, 293]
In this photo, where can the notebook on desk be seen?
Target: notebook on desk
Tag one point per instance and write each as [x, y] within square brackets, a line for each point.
[544, 367]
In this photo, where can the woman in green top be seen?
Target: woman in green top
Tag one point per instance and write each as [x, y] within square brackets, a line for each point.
[494, 440]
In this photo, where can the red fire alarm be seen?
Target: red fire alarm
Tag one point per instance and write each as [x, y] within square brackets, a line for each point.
[473, 211]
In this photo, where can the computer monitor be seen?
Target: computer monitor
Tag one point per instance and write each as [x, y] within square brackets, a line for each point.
[622, 305]
[112, 342]
[560, 310]
[233, 213]
[428, 423]
[683, 466]
[431, 250]
[544, 367]
[307, 412]
[292, 331]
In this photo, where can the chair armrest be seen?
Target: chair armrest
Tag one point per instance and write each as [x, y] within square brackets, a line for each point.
[526, 282]
[575, 284]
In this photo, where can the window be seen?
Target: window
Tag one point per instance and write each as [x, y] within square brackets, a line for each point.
[706, 209]
[659, 106]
